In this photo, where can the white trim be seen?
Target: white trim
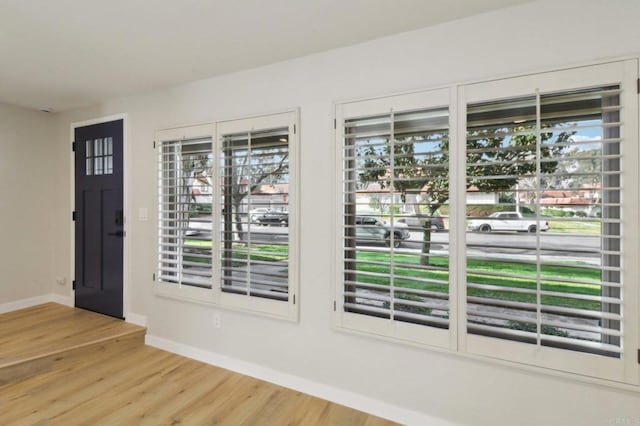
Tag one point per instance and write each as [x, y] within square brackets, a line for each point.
[24, 303]
[132, 318]
[126, 249]
[330, 393]
[136, 319]
[35, 301]
[62, 300]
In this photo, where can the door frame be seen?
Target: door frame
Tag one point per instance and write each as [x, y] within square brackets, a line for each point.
[125, 205]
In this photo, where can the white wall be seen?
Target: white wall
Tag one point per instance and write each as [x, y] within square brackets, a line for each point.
[26, 185]
[537, 36]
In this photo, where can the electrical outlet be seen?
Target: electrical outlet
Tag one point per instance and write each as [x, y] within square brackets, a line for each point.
[217, 320]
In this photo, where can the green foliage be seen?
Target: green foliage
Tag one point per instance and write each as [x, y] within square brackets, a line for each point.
[532, 328]
[403, 307]
[552, 212]
[489, 153]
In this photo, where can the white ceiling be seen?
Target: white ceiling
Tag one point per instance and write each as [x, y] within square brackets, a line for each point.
[63, 54]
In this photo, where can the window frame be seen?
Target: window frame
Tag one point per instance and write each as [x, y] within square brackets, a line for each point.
[396, 330]
[288, 309]
[279, 309]
[623, 370]
[588, 366]
[169, 289]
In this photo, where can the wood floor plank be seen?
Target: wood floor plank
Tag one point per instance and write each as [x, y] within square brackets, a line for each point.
[124, 382]
[51, 328]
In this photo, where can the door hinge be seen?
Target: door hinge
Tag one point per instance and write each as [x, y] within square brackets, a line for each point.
[294, 299]
[154, 276]
[73, 284]
[638, 86]
[294, 129]
[638, 356]
[73, 146]
[335, 306]
[335, 123]
[73, 216]
[154, 144]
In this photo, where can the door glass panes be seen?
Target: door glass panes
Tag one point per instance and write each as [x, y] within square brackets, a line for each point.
[255, 213]
[99, 156]
[544, 219]
[395, 203]
[186, 196]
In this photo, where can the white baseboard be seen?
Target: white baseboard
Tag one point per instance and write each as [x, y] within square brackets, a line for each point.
[34, 301]
[136, 319]
[63, 300]
[24, 303]
[330, 393]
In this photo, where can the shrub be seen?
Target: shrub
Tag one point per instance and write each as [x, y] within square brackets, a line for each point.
[419, 310]
[532, 328]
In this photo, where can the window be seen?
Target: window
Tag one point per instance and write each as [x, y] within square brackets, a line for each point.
[559, 169]
[228, 214]
[185, 206]
[255, 174]
[559, 152]
[394, 187]
[534, 261]
[99, 156]
[257, 171]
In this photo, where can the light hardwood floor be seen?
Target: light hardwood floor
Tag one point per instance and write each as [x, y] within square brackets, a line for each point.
[52, 328]
[124, 382]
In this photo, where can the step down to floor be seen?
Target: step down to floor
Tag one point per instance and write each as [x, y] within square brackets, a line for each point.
[33, 340]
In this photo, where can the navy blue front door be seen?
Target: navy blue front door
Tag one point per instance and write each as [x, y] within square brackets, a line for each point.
[99, 218]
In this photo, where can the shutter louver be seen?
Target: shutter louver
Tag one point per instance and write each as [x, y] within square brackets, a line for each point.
[255, 213]
[185, 205]
[395, 179]
[547, 165]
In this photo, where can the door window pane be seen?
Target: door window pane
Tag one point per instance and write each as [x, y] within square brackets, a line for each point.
[99, 156]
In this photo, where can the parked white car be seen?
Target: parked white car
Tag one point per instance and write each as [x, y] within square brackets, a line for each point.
[506, 221]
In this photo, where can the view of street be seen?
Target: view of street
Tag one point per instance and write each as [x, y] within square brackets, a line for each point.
[581, 247]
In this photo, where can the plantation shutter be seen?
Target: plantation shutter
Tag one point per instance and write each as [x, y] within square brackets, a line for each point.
[555, 159]
[547, 213]
[394, 185]
[257, 248]
[185, 206]
[254, 171]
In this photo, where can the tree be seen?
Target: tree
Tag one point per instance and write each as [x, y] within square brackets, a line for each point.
[489, 153]
[243, 176]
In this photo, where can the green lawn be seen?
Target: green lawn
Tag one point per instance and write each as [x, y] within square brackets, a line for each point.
[575, 227]
[479, 272]
[264, 252]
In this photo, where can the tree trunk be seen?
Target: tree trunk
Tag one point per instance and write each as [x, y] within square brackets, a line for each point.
[426, 242]
[426, 228]
[238, 225]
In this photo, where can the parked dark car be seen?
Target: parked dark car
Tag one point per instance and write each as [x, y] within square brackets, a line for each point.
[415, 223]
[373, 230]
[274, 219]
